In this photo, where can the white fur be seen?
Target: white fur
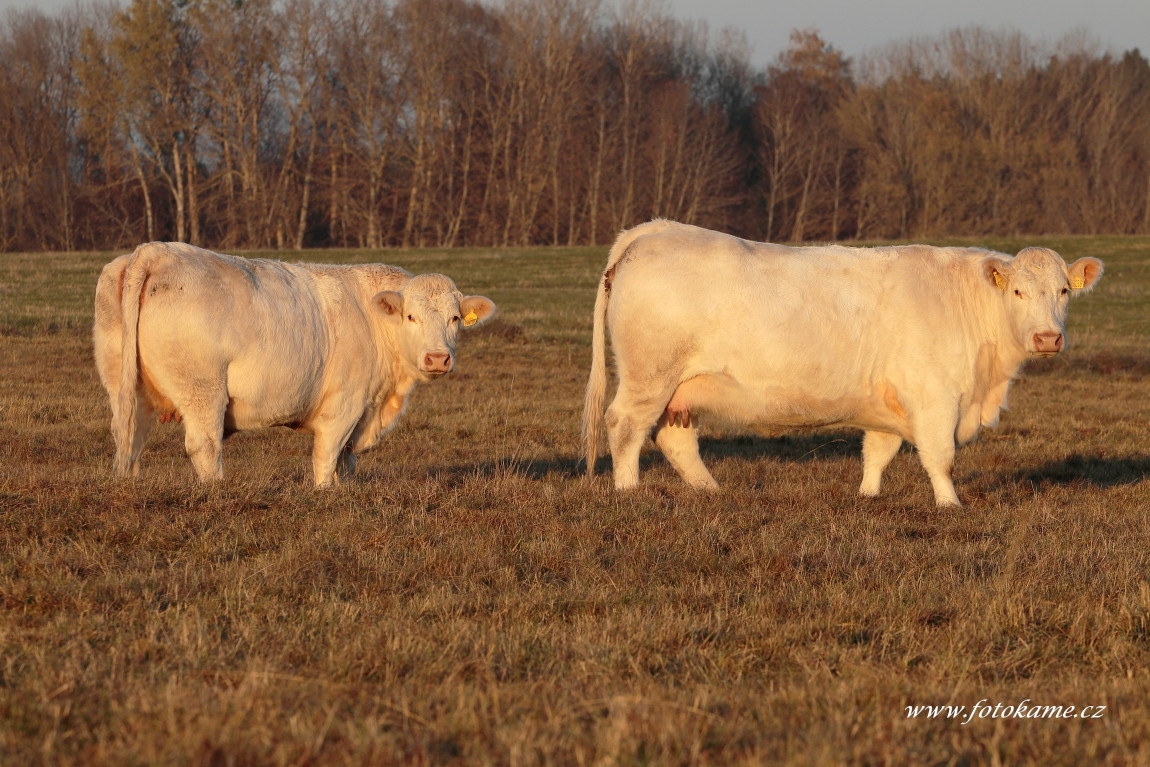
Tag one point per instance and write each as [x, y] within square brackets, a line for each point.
[909, 343]
[226, 344]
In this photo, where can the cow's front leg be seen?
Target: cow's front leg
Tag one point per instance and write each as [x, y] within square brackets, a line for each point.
[375, 422]
[878, 448]
[328, 449]
[395, 404]
[935, 443]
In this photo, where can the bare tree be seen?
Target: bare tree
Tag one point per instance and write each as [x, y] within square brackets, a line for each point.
[363, 116]
[287, 123]
[37, 131]
[800, 148]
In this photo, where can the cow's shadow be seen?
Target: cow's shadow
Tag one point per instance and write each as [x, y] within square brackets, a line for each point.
[1076, 469]
[1089, 469]
[792, 448]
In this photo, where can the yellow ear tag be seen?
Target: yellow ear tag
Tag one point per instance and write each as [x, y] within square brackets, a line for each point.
[999, 281]
[1078, 283]
[470, 319]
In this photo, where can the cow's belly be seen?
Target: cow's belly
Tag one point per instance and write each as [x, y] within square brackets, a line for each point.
[772, 407]
[244, 414]
[270, 397]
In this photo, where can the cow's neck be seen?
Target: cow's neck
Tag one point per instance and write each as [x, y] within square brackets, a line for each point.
[1008, 354]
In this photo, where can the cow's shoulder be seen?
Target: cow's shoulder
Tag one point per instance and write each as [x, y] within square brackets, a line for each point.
[365, 280]
[955, 267]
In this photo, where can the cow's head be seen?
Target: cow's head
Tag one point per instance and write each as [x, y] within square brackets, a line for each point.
[1035, 288]
[426, 314]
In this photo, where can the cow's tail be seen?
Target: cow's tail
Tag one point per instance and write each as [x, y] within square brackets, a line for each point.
[124, 431]
[597, 380]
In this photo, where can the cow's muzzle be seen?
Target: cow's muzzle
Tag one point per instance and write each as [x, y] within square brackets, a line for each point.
[1046, 344]
[436, 363]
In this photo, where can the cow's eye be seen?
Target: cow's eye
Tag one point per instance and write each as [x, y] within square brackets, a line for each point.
[410, 318]
[1065, 291]
[1018, 293]
[455, 318]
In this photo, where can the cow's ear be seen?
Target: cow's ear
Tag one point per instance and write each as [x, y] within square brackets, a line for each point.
[1084, 274]
[996, 272]
[389, 302]
[476, 309]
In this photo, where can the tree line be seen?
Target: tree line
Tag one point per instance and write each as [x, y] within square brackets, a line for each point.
[361, 123]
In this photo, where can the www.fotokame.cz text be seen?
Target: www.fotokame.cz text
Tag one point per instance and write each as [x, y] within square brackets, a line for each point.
[1023, 710]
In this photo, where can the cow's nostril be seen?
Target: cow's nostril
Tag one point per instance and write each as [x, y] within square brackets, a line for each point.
[1048, 342]
[433, 362]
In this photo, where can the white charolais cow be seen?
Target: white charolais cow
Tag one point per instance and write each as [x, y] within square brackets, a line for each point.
[911, 343]
[227, 344]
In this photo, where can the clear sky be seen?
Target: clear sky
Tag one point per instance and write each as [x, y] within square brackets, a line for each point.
[855, 26]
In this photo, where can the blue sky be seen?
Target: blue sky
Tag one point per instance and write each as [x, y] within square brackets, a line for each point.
[856, 26]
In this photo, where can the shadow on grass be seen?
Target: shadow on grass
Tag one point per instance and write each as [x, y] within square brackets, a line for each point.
[790, 449]
[1105, 362]
[1089, 469]
[538, 469]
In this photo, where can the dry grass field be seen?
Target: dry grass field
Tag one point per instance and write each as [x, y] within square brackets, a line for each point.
[470, 599]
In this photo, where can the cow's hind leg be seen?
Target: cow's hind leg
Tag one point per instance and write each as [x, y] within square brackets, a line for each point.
[204, 429]
[680, 445]
[629, 420]
[878, 448]
[129, 454]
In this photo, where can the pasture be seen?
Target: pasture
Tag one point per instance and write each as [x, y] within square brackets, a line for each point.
[470, 599]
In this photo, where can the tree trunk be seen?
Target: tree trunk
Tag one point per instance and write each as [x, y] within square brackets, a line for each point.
[149, 215]
[193, 198]
[179, 193]
[305, 193]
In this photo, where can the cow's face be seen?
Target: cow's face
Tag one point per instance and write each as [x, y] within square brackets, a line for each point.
[427, 314]
[1035, 287]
